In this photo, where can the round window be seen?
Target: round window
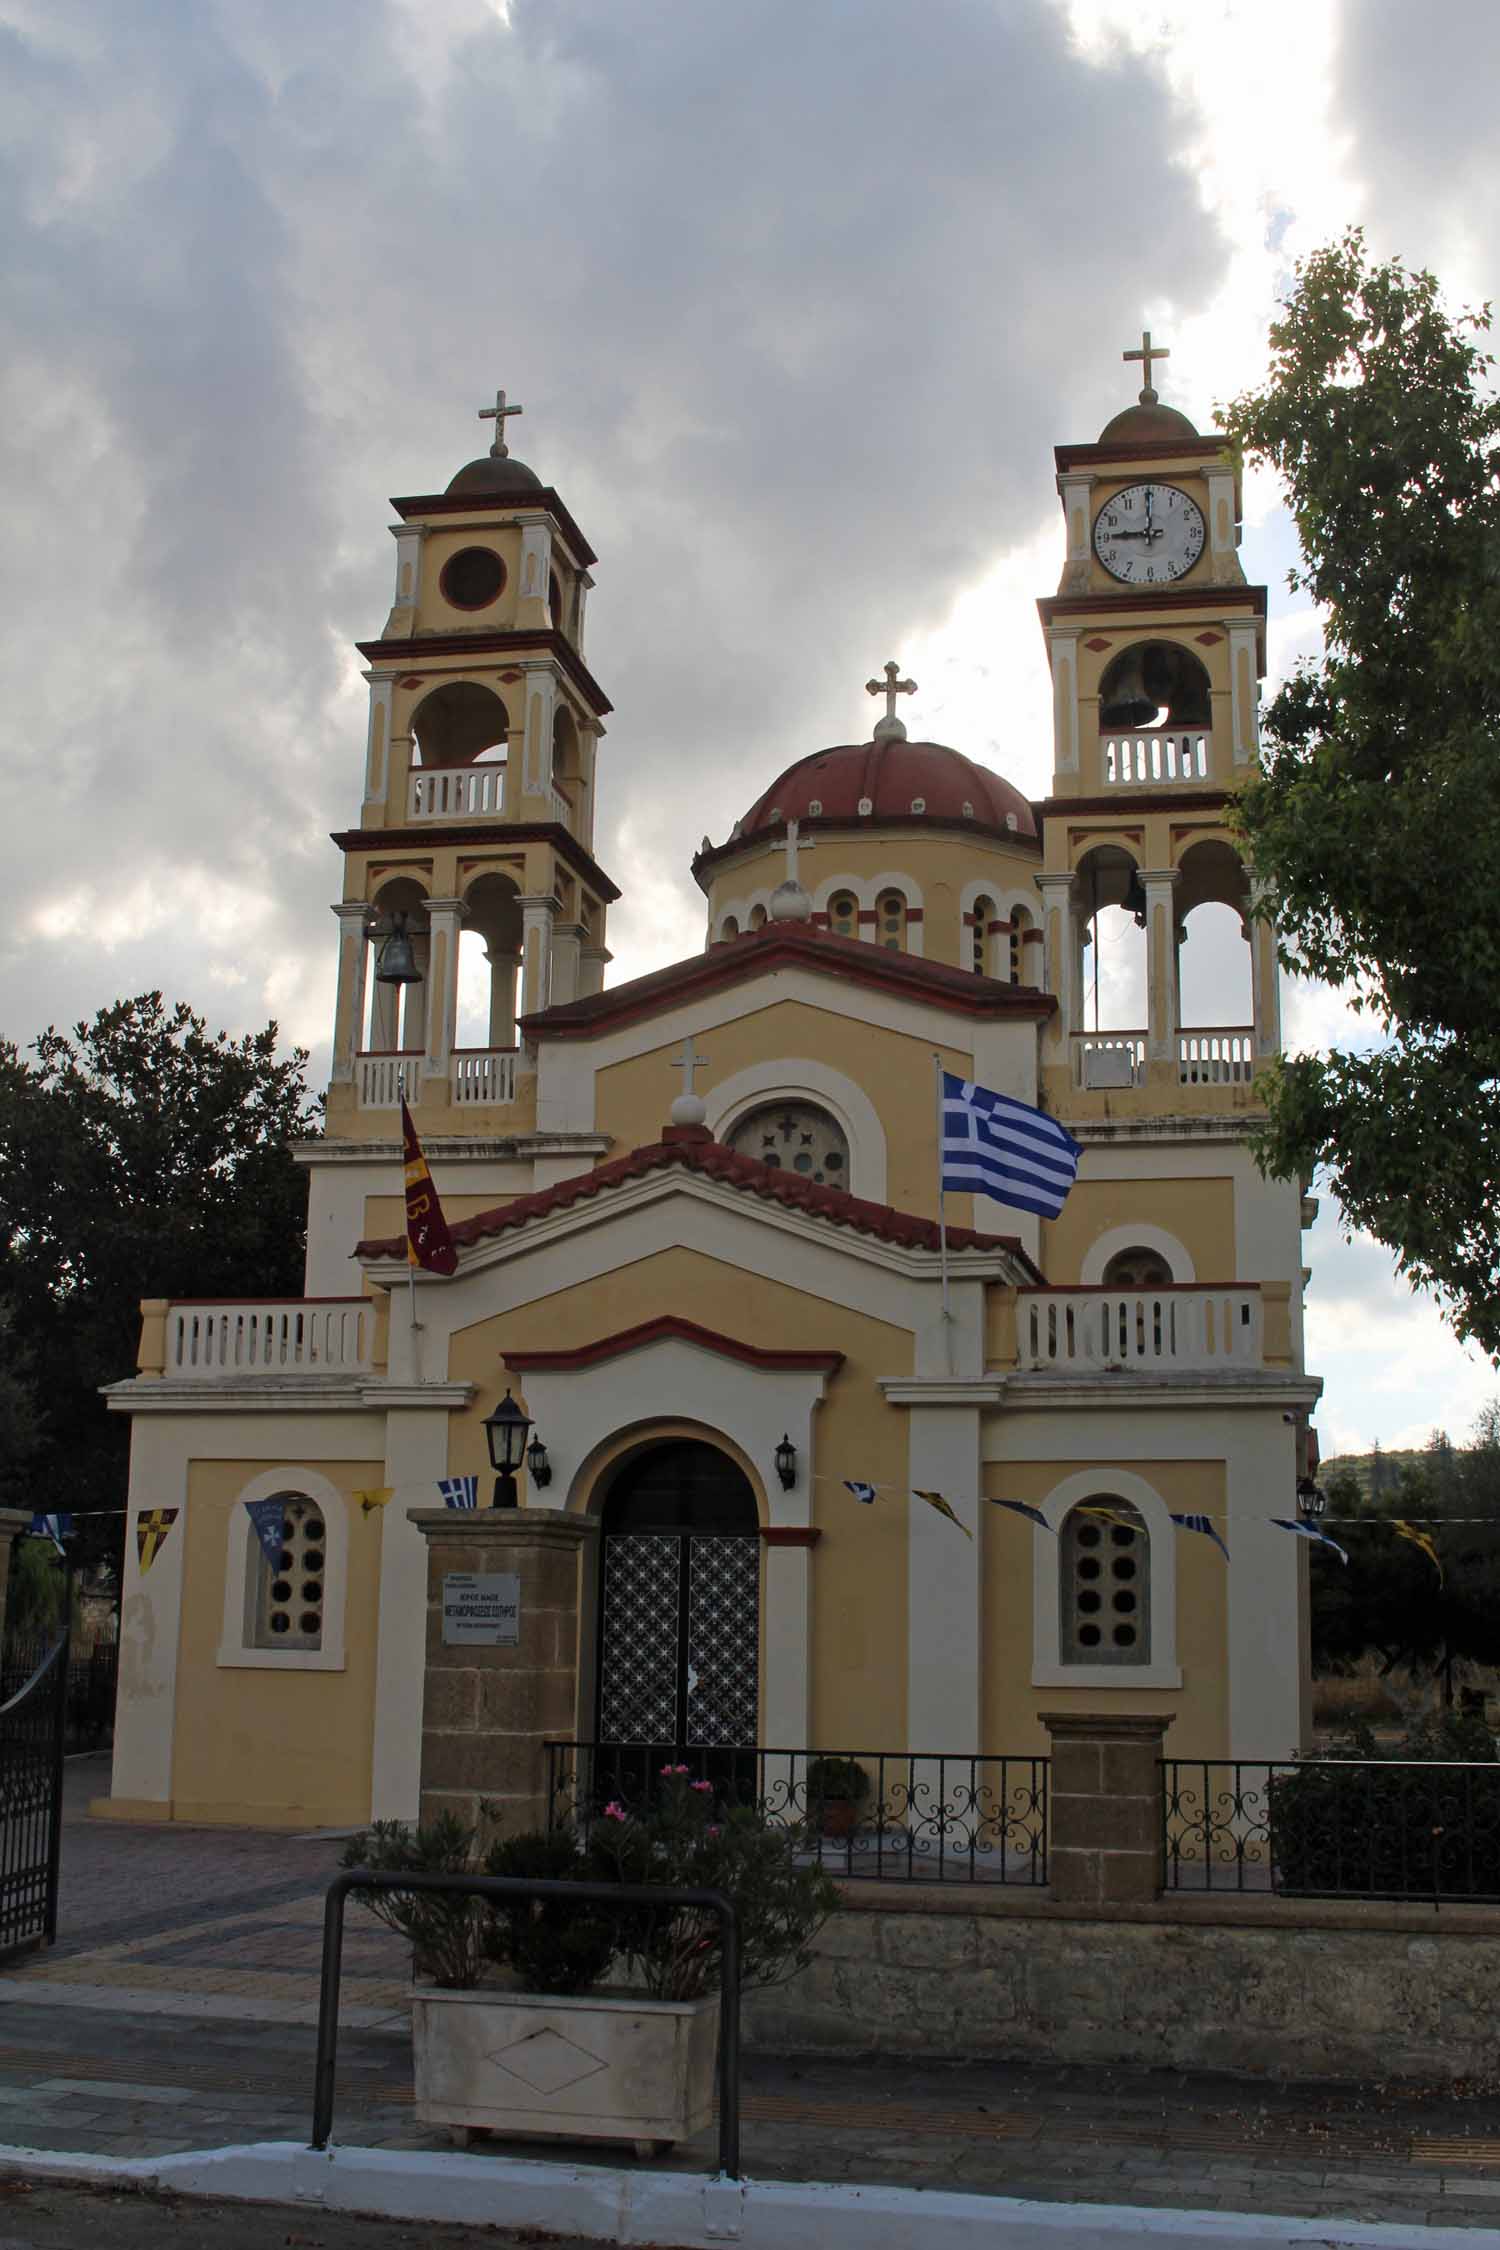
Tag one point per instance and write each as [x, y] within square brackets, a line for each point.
[472, 578]
[796, 1136]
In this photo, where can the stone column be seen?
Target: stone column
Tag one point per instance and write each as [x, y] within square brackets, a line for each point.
[13, 1521]
[1061, 965]
[349, 1008]
[445, 919]
[1105, 1801]
[488, 1709]
[1161, 979]
[503, 967]
[536, 953]
[1265, 981]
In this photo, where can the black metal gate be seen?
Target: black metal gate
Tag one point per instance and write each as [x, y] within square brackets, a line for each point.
[31, 1774]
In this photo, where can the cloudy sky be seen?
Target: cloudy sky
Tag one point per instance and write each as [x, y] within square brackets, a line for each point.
[798, 296]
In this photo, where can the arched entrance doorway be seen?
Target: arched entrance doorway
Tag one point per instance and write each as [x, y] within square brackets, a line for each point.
[679, 1612]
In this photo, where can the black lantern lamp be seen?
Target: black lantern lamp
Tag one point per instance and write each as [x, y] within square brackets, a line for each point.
[786, 1463]
[538, 1467]
[396, 962]
[505, 1433]
[1311, 1499]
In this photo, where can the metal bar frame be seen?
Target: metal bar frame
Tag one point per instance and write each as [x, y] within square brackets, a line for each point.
[528, 1887]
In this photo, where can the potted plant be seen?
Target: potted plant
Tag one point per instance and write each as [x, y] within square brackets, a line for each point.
[836, 1788]
[593, 2022]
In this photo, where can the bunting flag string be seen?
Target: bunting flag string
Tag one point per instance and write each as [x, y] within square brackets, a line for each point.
[152, 1530]
[1021, 1508]
[459, 1492]
[56, 1528]
[1105, 1515]
[1205, 1524]
[269, 1519]
[864, 1492]
[936, 1500]
[1308, 1531]
[1405, 1529]
[378, 1496]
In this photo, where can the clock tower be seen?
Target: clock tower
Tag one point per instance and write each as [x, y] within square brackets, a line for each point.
[1156, 646]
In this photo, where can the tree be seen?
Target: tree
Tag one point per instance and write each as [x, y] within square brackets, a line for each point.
[1376, 818]
[139, 1157]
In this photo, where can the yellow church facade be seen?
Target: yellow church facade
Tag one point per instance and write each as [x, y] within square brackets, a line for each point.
[697, 1228]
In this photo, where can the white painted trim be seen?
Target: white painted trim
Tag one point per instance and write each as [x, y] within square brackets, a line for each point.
[237, 1652]
[1048, 1668]
[735, 1097]
[416, 1455]
[150, 1623]
[1137, 1235]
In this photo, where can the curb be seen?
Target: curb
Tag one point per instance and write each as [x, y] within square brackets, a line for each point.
[696, 2211]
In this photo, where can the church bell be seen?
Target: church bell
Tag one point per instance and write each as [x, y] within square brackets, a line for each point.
[1126, 701]
[397, 962]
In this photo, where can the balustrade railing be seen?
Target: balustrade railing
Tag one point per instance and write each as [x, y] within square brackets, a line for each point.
[483, 1074]
[901, 1816]
[455, 792]
[1178, 1325]
[309, 1336]
[561, 808]
[1166, 754]
[377, 1080]
[1332, 1827]
[1104, 1059]
[1215, 1058]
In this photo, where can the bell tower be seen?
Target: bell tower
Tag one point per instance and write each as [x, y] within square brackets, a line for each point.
[1156, 646]
[475, 830]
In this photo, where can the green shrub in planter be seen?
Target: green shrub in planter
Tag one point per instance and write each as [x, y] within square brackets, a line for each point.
[1420, 1820]
[446, 1935]
[836, 1781]
[550, 1944]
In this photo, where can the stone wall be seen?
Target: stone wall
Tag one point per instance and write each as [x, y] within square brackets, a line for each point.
[1267, 1987]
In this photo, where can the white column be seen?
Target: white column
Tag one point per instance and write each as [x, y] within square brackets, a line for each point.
[1076, 487]
[1066, 719]
[567, 943]
[349, 1007]
[408, 588]
[539, 688]
[536, 571]
[536, 953]
[1224, 563]
[415, 998]
[1265, 1652]
[377, 744]
[945, 1585]
[1244, 696]
[503, 968]
[1265, 980]
[787, 1717]
[1061, 963]
[445, 918]
[592, 963]
[1161, 941]
[151, 1620]
[416, 1455]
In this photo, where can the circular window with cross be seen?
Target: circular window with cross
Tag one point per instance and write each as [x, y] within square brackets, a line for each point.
[796, 1136]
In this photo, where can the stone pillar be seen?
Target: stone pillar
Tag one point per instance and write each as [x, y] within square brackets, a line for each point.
[487, 1709]
[13, 1521]
[1105, 1801]
[349, 1009]
[536, 952]
[1061, 965]
[445, 919]
[503, 967]
[567, 946]
[1265, 981]
[1161, 979]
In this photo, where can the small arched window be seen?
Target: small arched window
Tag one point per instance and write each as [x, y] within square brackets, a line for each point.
[843, 914]
[730, 926]
[984, 914]
[890, 921]
[796, 1136]
[1020, 923]
[1137, 1268]
[757, 917]
[1105, 1584]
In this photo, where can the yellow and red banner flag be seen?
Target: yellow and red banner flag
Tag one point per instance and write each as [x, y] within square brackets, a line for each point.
[151, 1528]
[936, 1500]
[428, 1242]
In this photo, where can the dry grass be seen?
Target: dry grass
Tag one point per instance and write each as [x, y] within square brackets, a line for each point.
[1343, 1702]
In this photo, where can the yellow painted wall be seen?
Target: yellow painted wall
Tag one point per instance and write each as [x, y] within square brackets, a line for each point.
[289, 1749]
[1200, 1213]
[859, 1564]
[1010, 1703]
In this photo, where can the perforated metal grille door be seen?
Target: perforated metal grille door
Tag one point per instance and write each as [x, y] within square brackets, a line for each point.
[723, 1664]
[639, 1655]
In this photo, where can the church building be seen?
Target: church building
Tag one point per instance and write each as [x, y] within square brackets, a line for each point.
[697, 1219]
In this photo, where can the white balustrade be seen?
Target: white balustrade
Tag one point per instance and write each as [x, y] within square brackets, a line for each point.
[1155, 756]
[1215, 1058]
[1084, 1331]
[309, 1336]
[455, 792]
[377, 1080]
[1104, 1059]
[561, 809]
[483, 1074]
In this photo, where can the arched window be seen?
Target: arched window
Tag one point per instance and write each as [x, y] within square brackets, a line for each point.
[284, 1595]
[1020, 923]
[843, 914]
[798, 1136]
[984, 914]
[890, 921]
[1104, 1585]
[1137, 1268]
[757, 917]
[730, 926]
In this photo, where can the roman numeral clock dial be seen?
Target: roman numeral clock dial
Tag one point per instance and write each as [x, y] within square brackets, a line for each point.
[1149, 534]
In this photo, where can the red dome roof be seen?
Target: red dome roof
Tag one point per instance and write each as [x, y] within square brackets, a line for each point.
[889, 780]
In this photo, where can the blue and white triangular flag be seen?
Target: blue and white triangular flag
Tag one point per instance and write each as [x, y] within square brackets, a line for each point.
[1005, 1149]
[269, 1519]
[459, 1492]
[1021, 1508]
[1309, 1531]
[55, 1528]
[1204, 1524]
[865, 1492]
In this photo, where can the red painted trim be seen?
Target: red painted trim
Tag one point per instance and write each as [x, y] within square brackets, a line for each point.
[1135, 800]
[789, 1535]
[406, 843]
[547, 637]
[672, 1327]
[1210, 445]
[756, 840]
[1206, 596]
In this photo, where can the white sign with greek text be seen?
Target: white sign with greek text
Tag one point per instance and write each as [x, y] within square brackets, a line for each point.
[482, 1607]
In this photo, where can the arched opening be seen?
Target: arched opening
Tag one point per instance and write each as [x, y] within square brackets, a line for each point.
[1137, 1268]
[757, 917]
[1155, 710]
[458, 723]
[397, 1018]
[796, 1136]
[729, 927]
[890, 921]
[679, 1617]
[1111, 905]
[489, 958]
[843, 914]
[1104, 1584]
[1020, 923]
[979, 936]
[567, 770]
[555, 601]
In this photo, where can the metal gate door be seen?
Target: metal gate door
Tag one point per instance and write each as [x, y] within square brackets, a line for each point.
[679, 1643]
[31, 1770]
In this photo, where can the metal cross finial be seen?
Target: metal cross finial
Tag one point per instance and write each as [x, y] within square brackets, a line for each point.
[689, 1062]
[1146, 354]
[499, 414]
[890, 687]
[795, 842]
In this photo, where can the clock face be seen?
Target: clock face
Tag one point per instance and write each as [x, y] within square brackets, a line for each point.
[1149, 534]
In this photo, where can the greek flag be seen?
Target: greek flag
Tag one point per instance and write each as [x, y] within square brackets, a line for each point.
[1205, 1524]
[55, 1528]
[1309, 1531]
[459, 1492]
[994, 1146]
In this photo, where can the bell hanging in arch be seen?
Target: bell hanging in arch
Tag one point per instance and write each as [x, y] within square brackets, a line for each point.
[397, 960]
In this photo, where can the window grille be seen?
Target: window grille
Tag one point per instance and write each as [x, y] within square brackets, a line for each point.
[984, 914]
[1106, 1585]
[799, 1137]
[890, 916]
[843, 914]
[288, 1599]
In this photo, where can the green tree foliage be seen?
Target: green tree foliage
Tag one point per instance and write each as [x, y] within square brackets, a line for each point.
[1376, 818]
[140, 1156]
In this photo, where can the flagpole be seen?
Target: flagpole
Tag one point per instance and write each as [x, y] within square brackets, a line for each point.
[937, 1067]
[411, 1266]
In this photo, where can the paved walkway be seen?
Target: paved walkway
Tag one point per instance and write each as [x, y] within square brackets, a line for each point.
[177, 2013]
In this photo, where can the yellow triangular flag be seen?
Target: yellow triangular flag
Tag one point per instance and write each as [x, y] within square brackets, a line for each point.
[1105, 1515]
[376, 1498]
[1422, 1539]
[936, 1500]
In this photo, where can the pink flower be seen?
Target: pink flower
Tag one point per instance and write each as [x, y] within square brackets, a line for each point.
[711, 1831]
[614, 1810]
[669, 1771]
[704, 1788]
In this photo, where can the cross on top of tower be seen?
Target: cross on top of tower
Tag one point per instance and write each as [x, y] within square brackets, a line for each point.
[890, 687]
[1146, 354]
[499, 414]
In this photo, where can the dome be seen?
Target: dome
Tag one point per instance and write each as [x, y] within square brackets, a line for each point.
[1146, 419]
[890, 780]
[496, 476]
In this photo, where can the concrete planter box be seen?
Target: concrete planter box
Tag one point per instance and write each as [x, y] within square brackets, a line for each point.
[590, 2068]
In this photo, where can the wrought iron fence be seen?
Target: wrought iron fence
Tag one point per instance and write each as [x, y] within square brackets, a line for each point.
[31, 1755]
[89, 1695]
[1333, 1827]
[904, 1816]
